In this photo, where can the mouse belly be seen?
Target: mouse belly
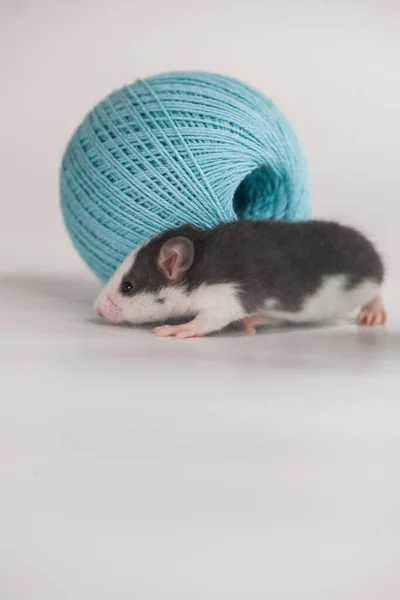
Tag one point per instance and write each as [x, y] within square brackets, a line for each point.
[333, 299]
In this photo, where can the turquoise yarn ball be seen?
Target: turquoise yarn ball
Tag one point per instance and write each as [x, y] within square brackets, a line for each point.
[176, 148]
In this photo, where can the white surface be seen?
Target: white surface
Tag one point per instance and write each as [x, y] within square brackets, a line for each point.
[227, 467]
[224, 468]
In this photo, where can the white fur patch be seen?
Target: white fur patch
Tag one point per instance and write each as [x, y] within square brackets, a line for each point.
[220, 299]
[271, 303]
[218, 305]
[145, 307]
[330, 301]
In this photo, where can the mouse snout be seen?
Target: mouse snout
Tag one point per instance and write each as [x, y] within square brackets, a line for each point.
[99, 312]
[109, 310]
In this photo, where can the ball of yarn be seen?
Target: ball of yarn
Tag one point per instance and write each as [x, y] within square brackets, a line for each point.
[177, 148]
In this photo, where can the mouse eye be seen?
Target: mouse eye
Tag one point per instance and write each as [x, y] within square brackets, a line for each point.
[126, 287]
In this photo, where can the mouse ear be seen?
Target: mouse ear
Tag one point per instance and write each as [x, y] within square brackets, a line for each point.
[175, 257]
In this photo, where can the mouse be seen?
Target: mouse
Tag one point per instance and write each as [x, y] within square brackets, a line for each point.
[249, 273]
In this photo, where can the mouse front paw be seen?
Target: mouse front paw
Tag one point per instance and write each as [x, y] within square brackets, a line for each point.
[206, 322]
[180, 332]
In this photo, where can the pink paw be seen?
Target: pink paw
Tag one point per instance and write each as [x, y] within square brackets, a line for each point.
[372, 319]
[250, 323]
[179, 332]
[372, 314]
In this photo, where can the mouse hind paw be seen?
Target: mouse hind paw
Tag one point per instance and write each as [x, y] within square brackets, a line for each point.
[251, 323]
[372, 314]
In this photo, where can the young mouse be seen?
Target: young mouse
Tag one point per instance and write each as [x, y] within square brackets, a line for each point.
[247, 271]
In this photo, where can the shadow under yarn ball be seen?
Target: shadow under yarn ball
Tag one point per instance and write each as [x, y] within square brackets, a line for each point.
[176, 148]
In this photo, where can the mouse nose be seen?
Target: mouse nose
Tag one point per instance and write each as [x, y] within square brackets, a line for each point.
[109, 311]
[99, 312]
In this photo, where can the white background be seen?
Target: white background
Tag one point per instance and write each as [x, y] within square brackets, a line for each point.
[229, 467]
